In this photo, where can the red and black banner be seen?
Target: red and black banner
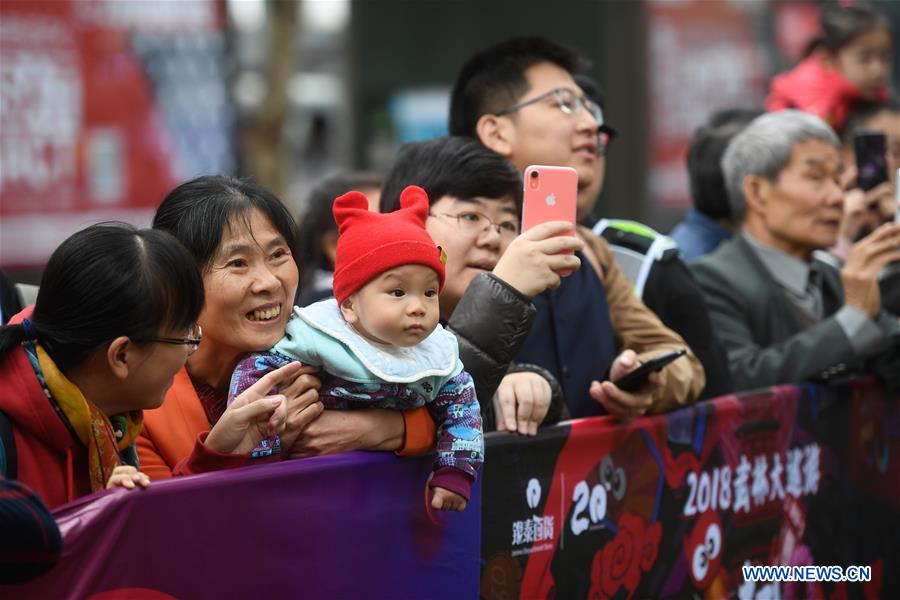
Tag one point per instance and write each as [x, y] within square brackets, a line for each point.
[675, 505]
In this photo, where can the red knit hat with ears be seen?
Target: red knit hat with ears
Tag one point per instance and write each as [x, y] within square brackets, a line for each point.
[370, 243]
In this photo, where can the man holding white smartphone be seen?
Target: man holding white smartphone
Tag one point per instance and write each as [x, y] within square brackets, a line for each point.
[520, 100]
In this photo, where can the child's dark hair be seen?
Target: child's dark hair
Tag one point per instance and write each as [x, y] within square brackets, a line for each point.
[318, 220]
[199, 211]
[106, 281]
[450, 166]
[494, 78]
[841, 23]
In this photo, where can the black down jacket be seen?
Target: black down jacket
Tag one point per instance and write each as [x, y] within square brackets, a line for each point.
[491, 322]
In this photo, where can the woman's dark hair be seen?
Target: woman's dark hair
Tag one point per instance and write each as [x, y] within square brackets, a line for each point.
[842, 22]
[199, 211]
[450, 166]
[318, 220]
[106, 281]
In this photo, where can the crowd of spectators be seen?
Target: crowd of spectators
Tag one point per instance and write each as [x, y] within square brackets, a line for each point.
[119, 373]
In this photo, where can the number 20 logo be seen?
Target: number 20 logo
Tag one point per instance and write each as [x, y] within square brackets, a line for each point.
[592, 499]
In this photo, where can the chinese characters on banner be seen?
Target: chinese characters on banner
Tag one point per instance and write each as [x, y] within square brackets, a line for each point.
[676, 504]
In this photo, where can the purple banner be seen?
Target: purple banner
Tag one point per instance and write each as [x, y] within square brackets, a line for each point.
[348, 526]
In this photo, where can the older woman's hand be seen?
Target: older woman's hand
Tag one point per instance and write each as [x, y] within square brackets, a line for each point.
[622, 404]
[253, 416]
[521, 402]
[303, 405]
[337, 431]
[533, 261]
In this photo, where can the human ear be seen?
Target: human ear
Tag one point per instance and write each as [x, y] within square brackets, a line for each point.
[495, 133]
[756, 192]
[349, 311]
[118, 354]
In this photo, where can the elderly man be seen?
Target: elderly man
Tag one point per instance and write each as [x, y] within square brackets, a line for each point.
[782, 314]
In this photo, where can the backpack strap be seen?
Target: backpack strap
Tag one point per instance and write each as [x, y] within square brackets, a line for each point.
[636, 248]
[8, 458]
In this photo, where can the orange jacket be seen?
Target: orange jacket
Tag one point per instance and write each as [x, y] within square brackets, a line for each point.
[171, 430]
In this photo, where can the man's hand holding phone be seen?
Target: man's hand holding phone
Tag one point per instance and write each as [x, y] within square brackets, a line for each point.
[642, 379]
[533, 261]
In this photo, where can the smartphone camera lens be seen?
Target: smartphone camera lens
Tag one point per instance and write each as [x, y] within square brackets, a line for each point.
[533, 180]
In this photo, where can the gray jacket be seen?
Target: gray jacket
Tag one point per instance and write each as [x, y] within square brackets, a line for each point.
[767, 340]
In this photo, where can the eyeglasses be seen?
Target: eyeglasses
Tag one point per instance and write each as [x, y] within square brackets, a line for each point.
[570, 103]
[473, 224]
[192, 342]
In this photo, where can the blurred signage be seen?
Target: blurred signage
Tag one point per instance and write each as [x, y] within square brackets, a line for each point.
[104, 107]
[702, 56]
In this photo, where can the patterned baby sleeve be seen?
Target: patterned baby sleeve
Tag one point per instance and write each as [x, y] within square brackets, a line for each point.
[457, 414]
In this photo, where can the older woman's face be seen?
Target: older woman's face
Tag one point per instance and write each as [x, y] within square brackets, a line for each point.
[468, 252]
[249, 288]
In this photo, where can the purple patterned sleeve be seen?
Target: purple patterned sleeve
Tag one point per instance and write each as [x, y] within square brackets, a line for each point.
[458, 417]
[249, 370]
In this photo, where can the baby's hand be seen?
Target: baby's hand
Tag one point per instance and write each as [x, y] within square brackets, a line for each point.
[446, 500]
[126, 476]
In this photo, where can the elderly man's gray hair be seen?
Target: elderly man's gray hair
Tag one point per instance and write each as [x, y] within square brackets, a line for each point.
[764, 147]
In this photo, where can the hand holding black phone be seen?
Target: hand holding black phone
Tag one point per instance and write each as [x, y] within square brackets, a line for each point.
[634, 380]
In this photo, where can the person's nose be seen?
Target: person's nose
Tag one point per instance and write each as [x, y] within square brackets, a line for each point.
[835, 195]
[489, 237]
[415, 307]
[586, 122]
[264, 280]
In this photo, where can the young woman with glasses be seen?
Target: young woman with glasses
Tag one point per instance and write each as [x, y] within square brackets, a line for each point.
[115, 319]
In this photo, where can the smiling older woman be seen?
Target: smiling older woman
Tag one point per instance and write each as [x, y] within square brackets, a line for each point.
[242, 239]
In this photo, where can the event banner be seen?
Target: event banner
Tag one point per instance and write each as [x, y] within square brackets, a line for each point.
[348, 526]
[675, 505]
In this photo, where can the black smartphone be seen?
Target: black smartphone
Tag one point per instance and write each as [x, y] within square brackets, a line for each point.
[871, 158]
[633, 380]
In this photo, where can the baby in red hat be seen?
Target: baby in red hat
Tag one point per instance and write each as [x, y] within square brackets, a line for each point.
[379, 342]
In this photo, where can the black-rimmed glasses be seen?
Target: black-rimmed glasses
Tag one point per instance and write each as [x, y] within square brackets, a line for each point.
[192, 342]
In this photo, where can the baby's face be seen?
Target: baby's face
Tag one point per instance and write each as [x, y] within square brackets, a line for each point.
[399, 307]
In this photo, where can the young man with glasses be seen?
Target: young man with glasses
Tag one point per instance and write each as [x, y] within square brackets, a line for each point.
[519, 99]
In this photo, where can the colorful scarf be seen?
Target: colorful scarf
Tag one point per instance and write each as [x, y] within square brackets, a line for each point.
[109, 440]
